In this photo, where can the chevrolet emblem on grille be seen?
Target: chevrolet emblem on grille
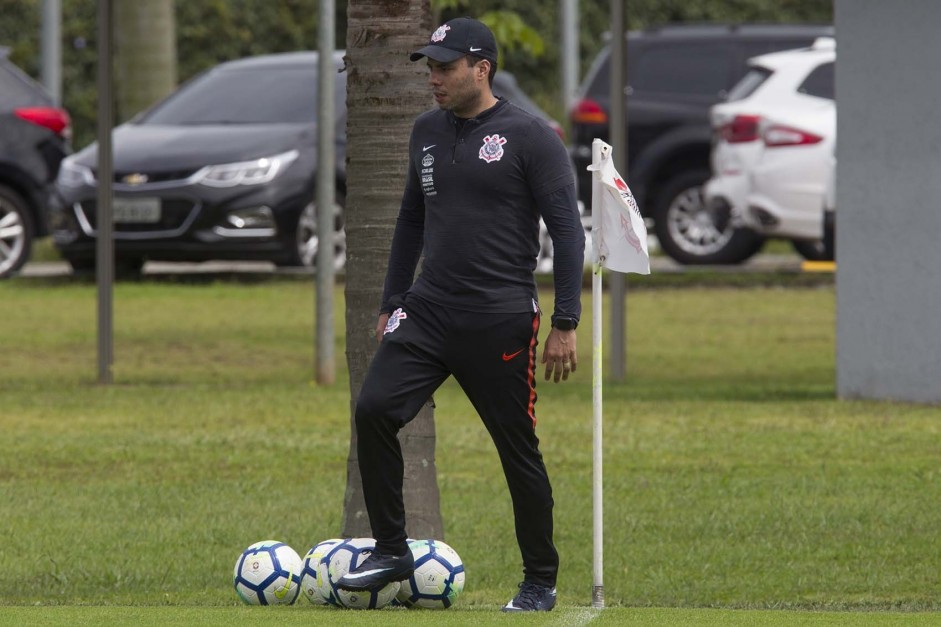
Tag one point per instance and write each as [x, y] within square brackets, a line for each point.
[135, 179]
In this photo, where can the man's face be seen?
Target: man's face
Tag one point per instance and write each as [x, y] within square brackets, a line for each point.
[456, 85]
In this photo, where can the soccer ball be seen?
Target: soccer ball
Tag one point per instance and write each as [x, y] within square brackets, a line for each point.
[438, 578]
[347, 556]
[314, 574]
[268, 573]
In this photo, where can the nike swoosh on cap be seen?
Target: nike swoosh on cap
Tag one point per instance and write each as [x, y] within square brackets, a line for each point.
[365, 573]
[473, 49]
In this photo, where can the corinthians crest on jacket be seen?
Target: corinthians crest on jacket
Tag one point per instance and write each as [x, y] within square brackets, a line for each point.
[492, 150]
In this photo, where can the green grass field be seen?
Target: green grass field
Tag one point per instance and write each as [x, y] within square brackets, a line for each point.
[738, 491]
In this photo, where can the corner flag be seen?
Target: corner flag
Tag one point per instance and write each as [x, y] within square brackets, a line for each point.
[619, 242]
[618, 228]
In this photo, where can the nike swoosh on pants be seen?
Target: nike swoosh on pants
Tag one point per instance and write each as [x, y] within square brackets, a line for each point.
[512, 355]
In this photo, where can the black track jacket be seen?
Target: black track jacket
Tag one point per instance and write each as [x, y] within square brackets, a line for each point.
[474, 194]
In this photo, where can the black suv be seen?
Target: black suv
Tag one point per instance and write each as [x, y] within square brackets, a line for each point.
[34, 137]
[674, 75]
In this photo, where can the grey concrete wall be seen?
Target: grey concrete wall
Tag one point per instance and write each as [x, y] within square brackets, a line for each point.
[888, 233]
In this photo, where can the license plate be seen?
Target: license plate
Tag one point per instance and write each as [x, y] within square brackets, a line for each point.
[136, 210]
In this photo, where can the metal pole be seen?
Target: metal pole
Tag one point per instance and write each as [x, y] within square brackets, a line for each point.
[617, 134]
[326, 196]
[568, 16]
[52, 48]
[104, 244]
[597, 360]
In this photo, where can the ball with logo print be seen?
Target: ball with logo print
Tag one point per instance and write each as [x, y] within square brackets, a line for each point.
[268, 573]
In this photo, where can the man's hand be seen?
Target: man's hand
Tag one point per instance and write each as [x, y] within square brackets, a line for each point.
[559, 354]
[381, 326]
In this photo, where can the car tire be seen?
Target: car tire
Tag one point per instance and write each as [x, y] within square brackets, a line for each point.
[17, 230]
[692, 234]
[307, 243]
[813, 250]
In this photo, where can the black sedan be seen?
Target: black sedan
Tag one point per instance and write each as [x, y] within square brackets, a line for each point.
[223, 168]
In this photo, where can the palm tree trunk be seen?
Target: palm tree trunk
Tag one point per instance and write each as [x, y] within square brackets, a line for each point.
[385, 92]
[145, 54]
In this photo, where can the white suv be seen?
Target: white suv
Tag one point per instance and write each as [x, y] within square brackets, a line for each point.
[773, 154]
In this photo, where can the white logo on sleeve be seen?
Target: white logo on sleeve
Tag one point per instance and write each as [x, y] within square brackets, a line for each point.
[492, 150]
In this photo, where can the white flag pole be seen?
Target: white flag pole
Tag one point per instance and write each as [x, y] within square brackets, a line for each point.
[597, 590]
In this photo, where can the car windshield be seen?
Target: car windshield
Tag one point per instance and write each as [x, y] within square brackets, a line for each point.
[18, 90]
[242, 96]
[506, 86]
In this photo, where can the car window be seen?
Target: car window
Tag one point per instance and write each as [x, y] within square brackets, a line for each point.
[18, 90]
[252, 95]
[819, 82]
[753, 79]
[693, 69]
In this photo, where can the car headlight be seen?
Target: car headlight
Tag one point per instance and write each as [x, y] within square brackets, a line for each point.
[72, 174]
[253, 172]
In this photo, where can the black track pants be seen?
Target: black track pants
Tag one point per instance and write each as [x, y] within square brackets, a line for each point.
[493, 358]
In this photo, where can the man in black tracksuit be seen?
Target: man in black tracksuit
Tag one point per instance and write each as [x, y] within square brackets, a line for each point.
[482, 172]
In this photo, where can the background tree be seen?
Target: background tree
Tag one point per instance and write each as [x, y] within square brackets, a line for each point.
[210, 31]
[385, 92]
[145, 54]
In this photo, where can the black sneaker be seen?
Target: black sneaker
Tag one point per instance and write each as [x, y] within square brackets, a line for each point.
[377, 571]
[532, 598]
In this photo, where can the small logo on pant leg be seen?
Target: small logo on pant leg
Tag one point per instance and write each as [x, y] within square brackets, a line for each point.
[509, 356]
[394, 320]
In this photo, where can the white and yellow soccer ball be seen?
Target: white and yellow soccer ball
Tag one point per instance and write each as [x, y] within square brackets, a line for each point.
[314, 582]
[438, 578]
[268, 573]
[347, 556]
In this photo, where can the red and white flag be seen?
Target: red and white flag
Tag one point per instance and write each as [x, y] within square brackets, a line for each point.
[618, 229]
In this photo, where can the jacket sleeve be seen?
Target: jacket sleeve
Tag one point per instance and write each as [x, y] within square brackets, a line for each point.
[552, 180]
[560, 213]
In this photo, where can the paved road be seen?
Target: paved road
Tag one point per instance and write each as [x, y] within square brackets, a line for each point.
[758, 263]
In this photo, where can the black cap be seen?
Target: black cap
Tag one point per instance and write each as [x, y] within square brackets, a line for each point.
[460, 36]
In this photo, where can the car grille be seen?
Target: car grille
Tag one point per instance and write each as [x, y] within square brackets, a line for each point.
[135, 177]
[174, 214]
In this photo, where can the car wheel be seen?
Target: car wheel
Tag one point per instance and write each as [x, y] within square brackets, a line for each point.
[307, 239]
[813, 250]
[16, 231]
[692, 233]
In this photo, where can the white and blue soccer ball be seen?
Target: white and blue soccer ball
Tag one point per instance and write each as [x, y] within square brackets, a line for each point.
[268, 573]
[438, 578]
[314, 582]
[347, 556]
